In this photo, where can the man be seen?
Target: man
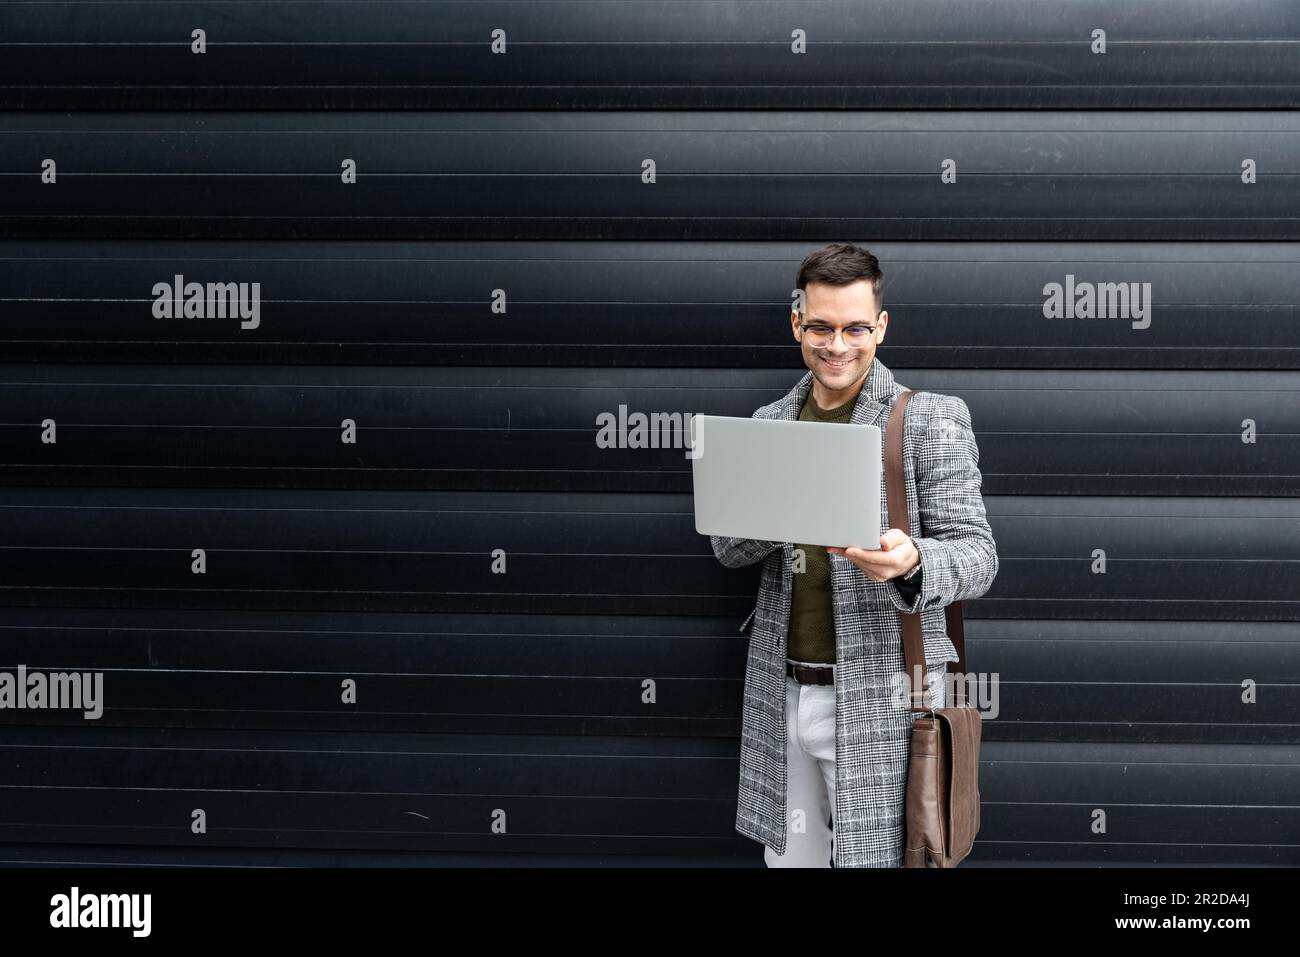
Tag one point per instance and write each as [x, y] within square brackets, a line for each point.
[825, 733]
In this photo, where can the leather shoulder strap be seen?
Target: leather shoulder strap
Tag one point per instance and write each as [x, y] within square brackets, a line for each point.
[896, 499]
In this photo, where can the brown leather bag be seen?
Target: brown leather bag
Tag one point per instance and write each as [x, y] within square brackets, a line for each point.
[943, 798]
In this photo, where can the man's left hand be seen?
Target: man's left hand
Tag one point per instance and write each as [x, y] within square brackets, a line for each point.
[896, 555]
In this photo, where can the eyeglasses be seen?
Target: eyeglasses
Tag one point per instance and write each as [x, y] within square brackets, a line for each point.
[819, 335]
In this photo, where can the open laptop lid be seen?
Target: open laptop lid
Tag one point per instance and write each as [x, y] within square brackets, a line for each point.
[782, 481]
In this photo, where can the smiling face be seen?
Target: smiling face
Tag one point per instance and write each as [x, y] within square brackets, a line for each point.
[839, 369]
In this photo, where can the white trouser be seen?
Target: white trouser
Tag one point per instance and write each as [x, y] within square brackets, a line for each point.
[810, 776]
[810, 773]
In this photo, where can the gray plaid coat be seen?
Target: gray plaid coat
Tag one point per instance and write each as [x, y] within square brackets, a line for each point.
[872, 732]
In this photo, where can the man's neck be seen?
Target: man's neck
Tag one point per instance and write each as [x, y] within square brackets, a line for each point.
[826, 399]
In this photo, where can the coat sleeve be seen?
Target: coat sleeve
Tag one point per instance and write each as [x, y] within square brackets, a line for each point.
[738, 552]
[959, 558]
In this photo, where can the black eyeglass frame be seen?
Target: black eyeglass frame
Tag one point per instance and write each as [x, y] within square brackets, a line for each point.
[871, 330]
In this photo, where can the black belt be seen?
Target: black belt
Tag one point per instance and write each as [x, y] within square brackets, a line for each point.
[809, 675]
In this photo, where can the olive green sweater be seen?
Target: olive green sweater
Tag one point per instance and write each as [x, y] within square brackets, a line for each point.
[812, 622]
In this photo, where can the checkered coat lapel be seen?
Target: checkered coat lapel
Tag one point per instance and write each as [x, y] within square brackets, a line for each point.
[872, 727]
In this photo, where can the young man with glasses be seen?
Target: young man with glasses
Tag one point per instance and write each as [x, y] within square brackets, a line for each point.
[825, 733]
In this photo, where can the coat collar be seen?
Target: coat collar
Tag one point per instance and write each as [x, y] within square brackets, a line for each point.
[874, 398]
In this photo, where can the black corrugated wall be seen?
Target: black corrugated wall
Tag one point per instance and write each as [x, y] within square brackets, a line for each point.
[360, 581]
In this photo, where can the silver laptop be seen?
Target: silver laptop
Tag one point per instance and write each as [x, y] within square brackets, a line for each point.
[782, 481]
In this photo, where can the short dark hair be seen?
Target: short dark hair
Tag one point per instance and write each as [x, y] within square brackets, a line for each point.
[839, 264]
